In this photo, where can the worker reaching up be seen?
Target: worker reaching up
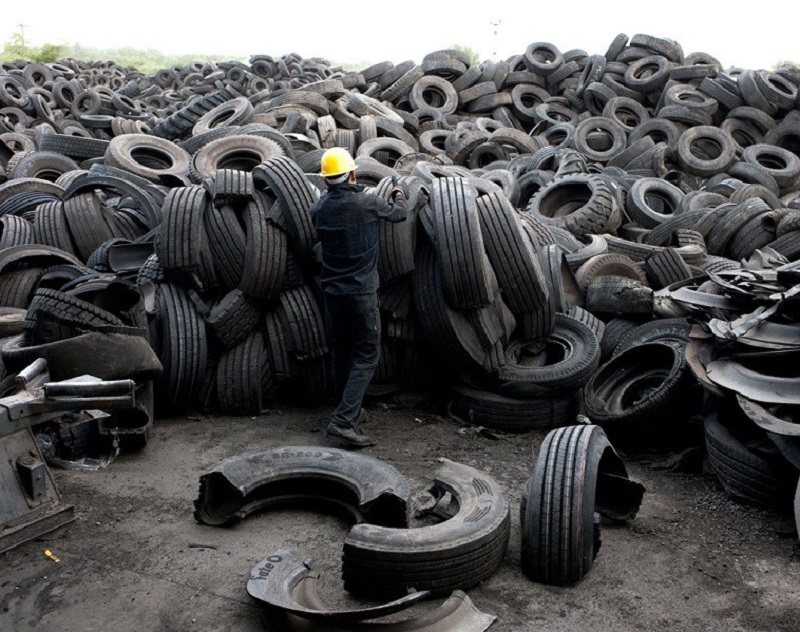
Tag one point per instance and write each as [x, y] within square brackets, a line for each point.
[346, 218]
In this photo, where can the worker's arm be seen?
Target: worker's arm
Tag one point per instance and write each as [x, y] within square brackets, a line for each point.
[396, 210]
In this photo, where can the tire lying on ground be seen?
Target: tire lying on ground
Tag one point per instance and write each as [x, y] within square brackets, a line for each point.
[458, 553]
[240, 485]
[577, 475]
[510, 414]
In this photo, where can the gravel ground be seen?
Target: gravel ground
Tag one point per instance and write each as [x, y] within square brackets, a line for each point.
[691, 560]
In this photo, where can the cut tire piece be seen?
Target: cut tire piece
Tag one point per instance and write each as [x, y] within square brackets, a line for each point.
[240, 485]
[638, 396]
[458, 553]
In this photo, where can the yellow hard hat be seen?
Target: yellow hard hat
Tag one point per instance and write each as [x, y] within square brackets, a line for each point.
[335, 162]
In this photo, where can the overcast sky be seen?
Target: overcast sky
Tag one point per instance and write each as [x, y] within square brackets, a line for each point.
[353, 32]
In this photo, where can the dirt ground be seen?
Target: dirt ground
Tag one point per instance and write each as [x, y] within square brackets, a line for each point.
[691, 560]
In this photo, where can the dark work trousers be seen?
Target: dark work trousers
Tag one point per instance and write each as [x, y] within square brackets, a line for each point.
[354, 335]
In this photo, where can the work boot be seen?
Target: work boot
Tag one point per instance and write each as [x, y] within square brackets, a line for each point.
[351, 436]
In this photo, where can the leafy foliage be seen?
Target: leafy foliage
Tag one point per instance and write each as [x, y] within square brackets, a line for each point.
[471, 54]
[15, 48]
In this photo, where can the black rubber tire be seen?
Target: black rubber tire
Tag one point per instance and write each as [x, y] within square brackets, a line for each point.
[239, 377]
[705, 150]
[236, 112]
[467, 276]
[781, 164]
[370, 487]
[182, 244]
[755, 234]
[485, 408]
[675, 330]
[296, 195]
[638, 395]
[543, 58]
[436, 92]
[54, 315]
[183, 351]
[230, 186]
[731, 222]
[618, 295]
[17, 287]
[599, 138]
[76, 147]
[512, 257]
[233, 317]
[227, 243]
[666, 267]
[560, 537]
[240, 152]
[397, 240]
[266, 254]
[746, 475]
[648, 74]
[47, 165]
[607, 265]
[583, 204]
[87, 223]
[458, 553]
[180, 123]
[570, 353]
[301, 314]
[446, 330]
[15, 231]
[615, 330]
[147, 156]
[627, 112]
[651, 201]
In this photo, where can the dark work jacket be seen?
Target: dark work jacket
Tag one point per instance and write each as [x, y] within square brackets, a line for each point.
[346, 218]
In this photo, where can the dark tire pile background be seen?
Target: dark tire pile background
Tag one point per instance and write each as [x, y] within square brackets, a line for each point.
[577, 220]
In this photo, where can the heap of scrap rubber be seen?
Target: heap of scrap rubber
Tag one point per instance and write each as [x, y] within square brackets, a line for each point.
[561, 201]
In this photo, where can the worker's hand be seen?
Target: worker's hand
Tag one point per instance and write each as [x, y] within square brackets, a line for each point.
[397, 189]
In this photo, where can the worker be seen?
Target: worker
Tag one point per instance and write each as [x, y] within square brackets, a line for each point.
[346, 218]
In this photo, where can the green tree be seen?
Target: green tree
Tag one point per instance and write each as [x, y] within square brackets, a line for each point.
[471, 54]
[15, 48]
[49, 53]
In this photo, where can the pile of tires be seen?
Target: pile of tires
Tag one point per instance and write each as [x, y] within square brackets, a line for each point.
[561, 201]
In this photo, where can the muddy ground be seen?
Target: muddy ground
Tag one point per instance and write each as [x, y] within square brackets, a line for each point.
[691, 560]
